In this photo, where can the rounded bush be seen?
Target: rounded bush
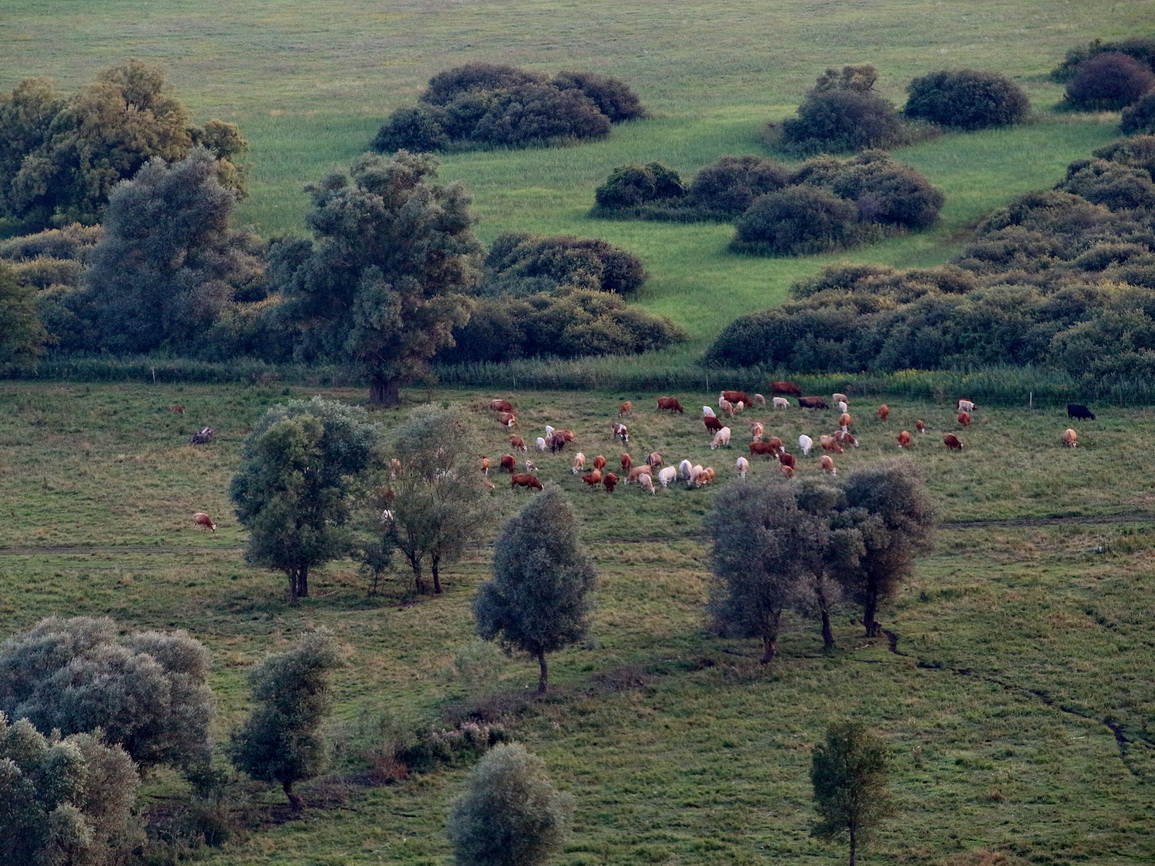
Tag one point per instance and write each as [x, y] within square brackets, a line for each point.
[418, 129]
[1118, 187]
[446, 86]
[798, 220]
[1139, 117]
[891, 193]
[731, 184]
[841, 120]
[613, 98]
[629, 186]
[966, 99]
[534, 113]
[1108, 82]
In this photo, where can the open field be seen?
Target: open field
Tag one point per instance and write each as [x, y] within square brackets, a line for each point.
[1017, 698]
[310, 85]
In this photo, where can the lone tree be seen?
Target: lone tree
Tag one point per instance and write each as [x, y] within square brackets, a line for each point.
[849, 774]
[300, 468]
[147, 691]
[438, 501]
[389, 275]
[539, 598]
[511, 814]
[64, 801]
[282, 739]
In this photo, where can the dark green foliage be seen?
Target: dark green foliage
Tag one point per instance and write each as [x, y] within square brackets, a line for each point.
[22, 334]
[445, 87]
[850, 775]
[65, 801]
[539, 598]
[613, 98]
[419, 128]
[282, 740]
[60, 157]
[635, 186]
[169, 263]
[563, 260]
[798, 220]
[539, 114]
[842, 113]
[389, 275]
[1109, 82]
[966, 99]
[1115, 186]
[888, 192]
[510, 814]
[730, 185]
[1139, 117]
[439, 501]
[1139, 48]
[147, 692]
[300, 468]
[432, 749]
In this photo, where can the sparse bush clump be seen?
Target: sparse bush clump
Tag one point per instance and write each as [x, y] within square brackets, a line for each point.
[494, 105]
[966, 99]
[1109, 82]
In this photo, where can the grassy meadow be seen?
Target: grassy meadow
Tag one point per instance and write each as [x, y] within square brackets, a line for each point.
[1017, 700]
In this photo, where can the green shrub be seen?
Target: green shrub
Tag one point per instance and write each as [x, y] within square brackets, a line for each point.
[798, 220]
[888, 192]
[539, 113]
[1109, 82]
[630, 186]
[613, 98]
[1118, 187]
[729, 185]
[1139, 117]
[1138, 152]
[417, 128]
[966, 99]
[445, 87]
[836, 121]
[1141, 49]
[564, 260]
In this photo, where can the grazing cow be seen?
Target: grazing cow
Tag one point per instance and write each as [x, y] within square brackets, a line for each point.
[654, 459]
[743, 466]
[620, 431]
[610, 482]
[530, 466]
[828, 464]
[599, 462]
[841, 406]
[625, 409]
[176, 410]
[579, 464]
[966, 405]
[735, 397]
[593, 479]
[920, 426]
[787, 460]
[202, 437]
[964, 418]
[524, 479]
[517, 443]
[637, 472]
[712, 423]
[684, 469]
[646, 482]
[671, 405]
[627, 461]
[788, 471]
[540, 443]
[840, 398]
[508, 463]
[952, 442]
[507, 419]
[1077, 410]
[780, 403]
[805, 443]
[695, 471]
[775, 444]
[739, 408]
[557, 442]
[501, 406]
[721, 439]
[757, 430]
[707, 412]
[829, 443]
[484, 465]
[204, 521]
[1070, 438]
[882, 412]
[904, 439]
[549, 432]
[727, 407]
[668, 474]
[759, 400]
[812, 403]
[763, 448]
[785, 388]
[844, 420]
[705, 477]
[843, 437]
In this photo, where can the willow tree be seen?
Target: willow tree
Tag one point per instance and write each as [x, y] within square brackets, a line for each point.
[388, 274]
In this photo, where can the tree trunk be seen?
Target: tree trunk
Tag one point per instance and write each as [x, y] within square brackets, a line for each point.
[303, 582]
[434, 568]
[869, 610]
[824, 609]
[543, 679]
[385, 392]
[294, 799]
[853, 842]
[770, 639]
[418, 580]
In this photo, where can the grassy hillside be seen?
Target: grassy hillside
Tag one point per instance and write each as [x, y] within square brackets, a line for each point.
[1017, 699]
[310, 85]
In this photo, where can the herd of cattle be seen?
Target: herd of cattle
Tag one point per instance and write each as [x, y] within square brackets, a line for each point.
[655, 470]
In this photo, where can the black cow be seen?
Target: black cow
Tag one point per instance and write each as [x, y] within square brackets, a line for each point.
[1075, 410]
[812, 403]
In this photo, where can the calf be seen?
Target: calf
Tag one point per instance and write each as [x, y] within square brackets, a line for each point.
[743, 466]
[781, 403]
[654, 459]
[668, 474]
[507, 419]
[920, 426]
[518, 444]
[646, 482]
[829, 443]
[712, 423]
[966, 405]
[579, 464]
[805, 443]
[1077, 410]
[721, 439]
[757, 430]
[840, 398]
[787, 460]
[828, 464]
[599, 462]
[176, 410]
[627, 461]
[202, 437]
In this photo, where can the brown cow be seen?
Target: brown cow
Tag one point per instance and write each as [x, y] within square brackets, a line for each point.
[787, 459]
[952, 442]
[654, 459]
[517, 443]
[883, 412]
[920, 426]
[204, 521]
[1070, 438]
[904, 439]
[785, 388]
[670, 404]
[843, 437]
[764, 448]
[610, 481]
[712, 423]
[524, 479]
[812, 403]
[828, 464]
[593, 479]
[176, 409]
[627, 462]
[637, 472]
[501, 406]
[829, 443]
[625, 409]
[737, 397]
[508, 463]
[599, 462]
[620, 431]
[508, 419]
[964, 418]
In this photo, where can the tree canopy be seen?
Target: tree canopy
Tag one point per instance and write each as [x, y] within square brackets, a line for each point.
[389, 274]
[849, 774]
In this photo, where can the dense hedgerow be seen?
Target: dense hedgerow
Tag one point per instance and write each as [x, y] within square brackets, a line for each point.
[1142, 49]
[494, 105]
[966, 99]
[1063, 278]
[1108, 82]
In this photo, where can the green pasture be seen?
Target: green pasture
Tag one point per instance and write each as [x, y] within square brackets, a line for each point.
[1022, 643]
